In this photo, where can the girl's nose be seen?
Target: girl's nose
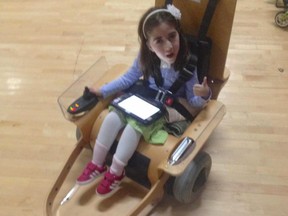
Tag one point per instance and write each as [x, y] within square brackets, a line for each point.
[168, 45]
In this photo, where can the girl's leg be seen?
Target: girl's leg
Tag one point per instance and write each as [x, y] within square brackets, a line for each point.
[107, 134]
[125, 149]
[110, 127]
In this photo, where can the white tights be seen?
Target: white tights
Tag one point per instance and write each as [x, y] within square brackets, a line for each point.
[127, 145]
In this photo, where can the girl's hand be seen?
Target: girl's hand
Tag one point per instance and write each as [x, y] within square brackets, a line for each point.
[203, 89]
[95, 91]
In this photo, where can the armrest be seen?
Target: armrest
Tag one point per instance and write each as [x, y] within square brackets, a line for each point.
[199, 130]
[85, 123]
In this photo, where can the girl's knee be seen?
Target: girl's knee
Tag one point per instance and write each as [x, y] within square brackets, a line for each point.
[131, 131]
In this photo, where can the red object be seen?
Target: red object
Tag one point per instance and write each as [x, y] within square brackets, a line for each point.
[169, 101]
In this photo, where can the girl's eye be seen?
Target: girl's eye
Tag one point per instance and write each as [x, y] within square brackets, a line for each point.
[172, 36]
[158, 41]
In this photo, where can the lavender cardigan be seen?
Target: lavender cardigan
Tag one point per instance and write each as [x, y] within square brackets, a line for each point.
[169, 76]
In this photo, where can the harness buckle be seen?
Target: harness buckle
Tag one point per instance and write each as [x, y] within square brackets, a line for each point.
[164, 97]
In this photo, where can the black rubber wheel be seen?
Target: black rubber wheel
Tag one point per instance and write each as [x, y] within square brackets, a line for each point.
[189, 185]
[281, 19]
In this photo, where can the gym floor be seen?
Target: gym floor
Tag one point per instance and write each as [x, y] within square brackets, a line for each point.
[45, 45]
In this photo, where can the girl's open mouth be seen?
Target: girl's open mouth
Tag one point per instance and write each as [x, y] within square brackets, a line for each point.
[170, 55]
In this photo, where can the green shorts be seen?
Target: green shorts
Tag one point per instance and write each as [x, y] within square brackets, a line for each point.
[153, 133]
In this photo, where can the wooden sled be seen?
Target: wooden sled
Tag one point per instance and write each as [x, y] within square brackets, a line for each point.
[153, 169]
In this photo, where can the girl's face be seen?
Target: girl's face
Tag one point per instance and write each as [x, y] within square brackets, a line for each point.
[164, 41]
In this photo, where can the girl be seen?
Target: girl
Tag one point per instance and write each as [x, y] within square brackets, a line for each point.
[163, 53]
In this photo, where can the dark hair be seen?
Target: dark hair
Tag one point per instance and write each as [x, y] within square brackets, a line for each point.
[149, 62]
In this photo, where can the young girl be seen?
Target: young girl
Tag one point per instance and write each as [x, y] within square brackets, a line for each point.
[163, 53]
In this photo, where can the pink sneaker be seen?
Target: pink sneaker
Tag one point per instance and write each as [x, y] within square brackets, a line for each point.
[109, 183]
[90, 173]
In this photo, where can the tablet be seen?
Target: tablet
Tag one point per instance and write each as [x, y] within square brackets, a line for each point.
[139, 108]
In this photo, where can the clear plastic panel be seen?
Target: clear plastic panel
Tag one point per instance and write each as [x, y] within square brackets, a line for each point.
[88, 78]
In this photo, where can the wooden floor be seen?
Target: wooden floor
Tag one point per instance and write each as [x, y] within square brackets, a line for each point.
[45, 45]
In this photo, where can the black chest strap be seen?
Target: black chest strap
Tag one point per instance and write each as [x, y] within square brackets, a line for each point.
[167, 97]
[185, 75]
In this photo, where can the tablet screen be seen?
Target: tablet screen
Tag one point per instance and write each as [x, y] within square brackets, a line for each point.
[138, 107]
